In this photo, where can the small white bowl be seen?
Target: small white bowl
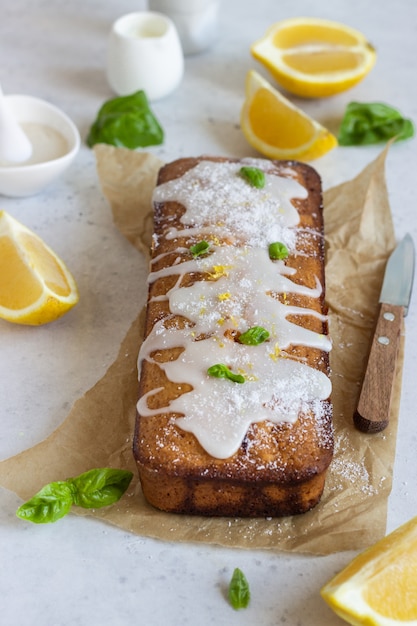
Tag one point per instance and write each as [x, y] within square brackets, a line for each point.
[26, 179]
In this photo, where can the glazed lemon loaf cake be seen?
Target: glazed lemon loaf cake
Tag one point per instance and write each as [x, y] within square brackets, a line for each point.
[234, 416]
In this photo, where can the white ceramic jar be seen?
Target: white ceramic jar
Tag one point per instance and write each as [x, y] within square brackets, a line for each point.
[144, 53]
[196, 21]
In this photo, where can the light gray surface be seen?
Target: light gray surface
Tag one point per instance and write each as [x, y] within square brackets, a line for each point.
[80, 571]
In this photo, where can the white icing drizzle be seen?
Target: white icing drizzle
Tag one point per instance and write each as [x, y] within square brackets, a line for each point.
[229, 302]
[240, 293]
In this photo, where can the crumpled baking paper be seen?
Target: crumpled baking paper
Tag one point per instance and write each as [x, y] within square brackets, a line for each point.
[98, 431]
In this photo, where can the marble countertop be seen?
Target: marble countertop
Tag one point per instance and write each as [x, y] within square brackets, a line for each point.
[81, 571]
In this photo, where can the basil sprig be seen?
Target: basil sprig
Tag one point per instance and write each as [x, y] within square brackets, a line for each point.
[90, 490]
[126, 122]
[239, 593]
[254, 176]
[202, 247]
[277, 250]
[254, 336]
[370, 123]
[222, 371]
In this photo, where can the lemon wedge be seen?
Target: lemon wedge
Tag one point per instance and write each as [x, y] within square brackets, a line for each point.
[277, 128]
[378, 588]
[35, 285]
[313, 57]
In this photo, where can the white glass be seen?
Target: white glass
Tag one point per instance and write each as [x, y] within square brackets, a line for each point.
[144, 52]
[196, 21]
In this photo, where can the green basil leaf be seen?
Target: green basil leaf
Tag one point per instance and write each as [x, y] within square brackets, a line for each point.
[128, 122]
[370, 123]
[254, 336]
[93, 489]
[222, 371]
[99, 487]
[239, 593]
[202, 247]
[254, 176]
[277, 250]
[51, 503]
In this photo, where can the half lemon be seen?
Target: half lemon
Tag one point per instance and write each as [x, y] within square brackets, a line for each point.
[314, 58]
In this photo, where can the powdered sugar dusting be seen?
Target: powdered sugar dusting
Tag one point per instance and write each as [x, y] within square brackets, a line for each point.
[240, 291]
[347, 470]
[276, 390]
[221, 198]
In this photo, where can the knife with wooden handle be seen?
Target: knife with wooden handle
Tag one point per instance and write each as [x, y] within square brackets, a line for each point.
[373, 409]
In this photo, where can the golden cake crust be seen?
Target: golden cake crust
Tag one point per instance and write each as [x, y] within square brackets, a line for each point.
[280, 468]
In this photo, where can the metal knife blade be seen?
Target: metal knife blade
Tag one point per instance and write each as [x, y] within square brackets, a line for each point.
[399, 275]
[373, 409]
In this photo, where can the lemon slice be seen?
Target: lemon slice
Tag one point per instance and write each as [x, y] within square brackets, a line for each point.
[35, 285]
[378, 588]
[313, 57]
[277, 128]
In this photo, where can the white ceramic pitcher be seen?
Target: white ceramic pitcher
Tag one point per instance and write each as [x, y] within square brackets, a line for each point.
[144, 52]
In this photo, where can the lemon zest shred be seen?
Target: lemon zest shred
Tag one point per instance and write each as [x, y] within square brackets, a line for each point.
[276, 354]
[219, 271]
[214, 239]
[234, 321]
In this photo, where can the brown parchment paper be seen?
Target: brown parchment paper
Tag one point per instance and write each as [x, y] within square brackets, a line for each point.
[98, 431]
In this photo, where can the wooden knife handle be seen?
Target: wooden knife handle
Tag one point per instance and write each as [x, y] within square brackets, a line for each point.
[372, 413]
